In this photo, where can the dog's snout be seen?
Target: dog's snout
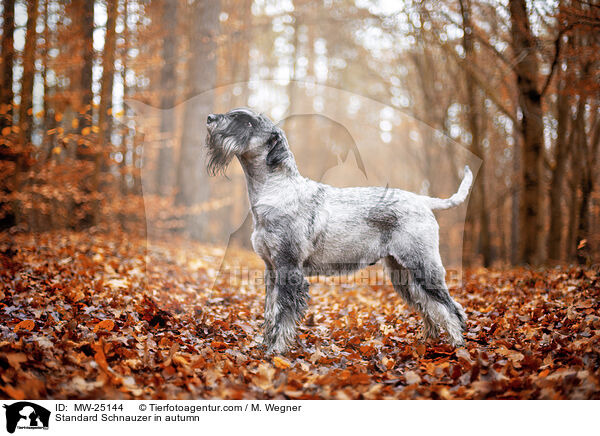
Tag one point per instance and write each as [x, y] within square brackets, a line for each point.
[211, 118]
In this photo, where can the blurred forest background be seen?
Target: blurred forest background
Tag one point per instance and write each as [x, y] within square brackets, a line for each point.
[514, 82]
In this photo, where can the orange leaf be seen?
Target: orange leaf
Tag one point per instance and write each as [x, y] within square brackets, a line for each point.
[180, 360]
[281, 363]
[14, 393]
[6, 131]
[25, 325]
[100, 357]
[359, 379]
[107, 324]
[218, 345]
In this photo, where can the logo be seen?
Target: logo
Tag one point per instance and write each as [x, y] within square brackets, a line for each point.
[26, 415]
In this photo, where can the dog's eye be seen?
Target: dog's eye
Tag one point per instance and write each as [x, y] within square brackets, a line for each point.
[249, 124]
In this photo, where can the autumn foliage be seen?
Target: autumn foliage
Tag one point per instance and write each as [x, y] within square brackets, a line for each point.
[102, 317]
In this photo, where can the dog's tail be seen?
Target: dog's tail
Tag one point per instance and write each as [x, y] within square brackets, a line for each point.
[456, 199]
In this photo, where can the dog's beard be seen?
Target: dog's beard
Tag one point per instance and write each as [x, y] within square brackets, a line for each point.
[221, 151]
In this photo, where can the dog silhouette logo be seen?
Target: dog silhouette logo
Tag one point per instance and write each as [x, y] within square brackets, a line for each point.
[26, 415]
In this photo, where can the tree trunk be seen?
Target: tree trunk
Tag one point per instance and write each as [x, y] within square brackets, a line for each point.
[582, 252]
[572, 217]
[515, 236]
[108, 73]
[49, 136]
[589, 148]
[532, 129]
[6, 91]
[577, 169]
[83, 15]
[473, 104]
[105, 109]
[558, 176]
[123, 169]
[192, 186]
[87, 36]
[6, 96]
[164, 168]
[234, 56]
[25, 107]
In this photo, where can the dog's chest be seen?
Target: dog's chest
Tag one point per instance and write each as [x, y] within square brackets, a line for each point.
[288, 214]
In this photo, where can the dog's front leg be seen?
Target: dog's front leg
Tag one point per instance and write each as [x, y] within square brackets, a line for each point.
[269, 295]
[285, 305]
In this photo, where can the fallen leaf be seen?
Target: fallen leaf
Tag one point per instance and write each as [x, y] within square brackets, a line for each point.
[27, 324]
[107, 325]
[281, 363]
[412, 378]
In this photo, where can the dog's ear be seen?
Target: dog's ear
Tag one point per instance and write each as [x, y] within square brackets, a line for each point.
[277, 148]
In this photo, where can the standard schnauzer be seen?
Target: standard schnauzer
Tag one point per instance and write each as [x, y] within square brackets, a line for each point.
[304, 228]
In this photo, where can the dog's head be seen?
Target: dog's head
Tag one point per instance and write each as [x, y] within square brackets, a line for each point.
[243, 132]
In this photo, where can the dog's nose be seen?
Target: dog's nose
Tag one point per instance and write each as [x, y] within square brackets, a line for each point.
[211, 118]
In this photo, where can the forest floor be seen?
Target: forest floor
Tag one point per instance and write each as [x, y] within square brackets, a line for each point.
[92, 317]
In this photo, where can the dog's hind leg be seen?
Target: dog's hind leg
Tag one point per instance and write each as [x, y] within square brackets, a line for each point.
[402, 281]
[429, 278]
[428, 292]
[285, 307]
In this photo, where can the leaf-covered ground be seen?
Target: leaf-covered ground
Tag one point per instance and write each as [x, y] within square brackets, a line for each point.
[89, 317]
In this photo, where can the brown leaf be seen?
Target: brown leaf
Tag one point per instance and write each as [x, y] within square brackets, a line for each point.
[14, 393]
[15, 359]
[27, 324]
[100, 357]
[180, 360]
[513, 355]
[107, 325]
[218, 345]
[544, 373]
[264, 377]
[461, 353]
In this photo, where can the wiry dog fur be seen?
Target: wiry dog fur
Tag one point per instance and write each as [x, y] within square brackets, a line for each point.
[304, 228]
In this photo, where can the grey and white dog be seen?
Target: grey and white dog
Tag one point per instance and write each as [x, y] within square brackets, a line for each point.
[305, 228]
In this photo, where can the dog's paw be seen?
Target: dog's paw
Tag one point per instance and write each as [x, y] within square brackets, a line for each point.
[457, 342]
[277, 349]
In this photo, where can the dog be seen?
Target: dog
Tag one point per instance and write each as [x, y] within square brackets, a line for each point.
[305, 228]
